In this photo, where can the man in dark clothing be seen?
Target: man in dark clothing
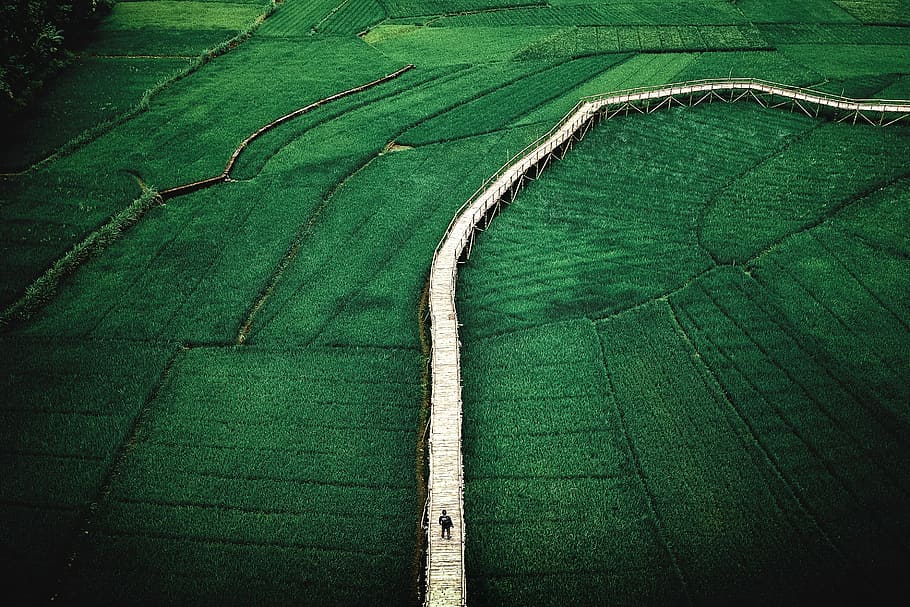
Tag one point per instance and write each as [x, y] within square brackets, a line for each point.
[445, 521]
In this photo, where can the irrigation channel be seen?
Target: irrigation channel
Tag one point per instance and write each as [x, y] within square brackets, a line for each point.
[225, 175]
[445, 571]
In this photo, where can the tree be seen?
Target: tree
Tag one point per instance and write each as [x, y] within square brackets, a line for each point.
[33, 43]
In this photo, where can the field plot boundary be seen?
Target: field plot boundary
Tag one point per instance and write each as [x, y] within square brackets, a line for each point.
[197, 61]
[41, 289]
[445, 570]
[226, 174]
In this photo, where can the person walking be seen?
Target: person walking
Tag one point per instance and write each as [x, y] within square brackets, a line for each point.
[445, 521]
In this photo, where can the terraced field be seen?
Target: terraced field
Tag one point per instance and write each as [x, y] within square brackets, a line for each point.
[685, 346]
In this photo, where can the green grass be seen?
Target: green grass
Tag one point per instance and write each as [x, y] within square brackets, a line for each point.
[89, 92]
[266, 486]
[431, 46]
[645, 423]
[759, 402]
[714, 12]
[781, 11]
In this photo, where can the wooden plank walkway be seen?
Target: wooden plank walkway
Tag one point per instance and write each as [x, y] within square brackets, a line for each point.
[445, 575]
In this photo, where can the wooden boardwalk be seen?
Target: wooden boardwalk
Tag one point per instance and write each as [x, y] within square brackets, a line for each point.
[445, 558]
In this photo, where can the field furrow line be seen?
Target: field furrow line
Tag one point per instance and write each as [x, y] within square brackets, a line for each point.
[792, 487]
[89, 513]
[236, 542]
[855, 494]
[446, 484]
[888, 422]
[860, 281]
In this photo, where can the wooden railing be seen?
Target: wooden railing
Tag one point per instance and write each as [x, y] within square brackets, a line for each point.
[445, 575]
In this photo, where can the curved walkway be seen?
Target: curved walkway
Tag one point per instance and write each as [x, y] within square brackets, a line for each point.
[445, 558]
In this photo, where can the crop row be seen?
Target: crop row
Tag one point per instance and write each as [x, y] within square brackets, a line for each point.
[835, 34]
[880, 247]
[164, 27]
[839, 61]
[610, 39]
[800, 187]
[639, 70]
[66, 408]
[833, 441]
[181, 14]
[185, 257]
[775, 66]
[646, 69]
[758, 407]
[408, 8]
[88, 92]
[497, 108]
[716, 501]
[433, 89]
[249, 435]
[894, 11]
[454, 46]
[328, 487]
[80, 191]
[861, 331]
[628, 13]
[810, 11]
[593, 251]
[382, 226]
[354, 17]
[551, 487]
[294, 19]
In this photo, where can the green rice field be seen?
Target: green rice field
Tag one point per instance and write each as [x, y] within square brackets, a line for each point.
[686, 346]
[718, 324]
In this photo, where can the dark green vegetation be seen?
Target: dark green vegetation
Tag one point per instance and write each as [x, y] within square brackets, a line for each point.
[33, 43]
[724, 419]
[148, 456]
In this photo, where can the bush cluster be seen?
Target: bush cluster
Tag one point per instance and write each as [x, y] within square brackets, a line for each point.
[34, 40]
